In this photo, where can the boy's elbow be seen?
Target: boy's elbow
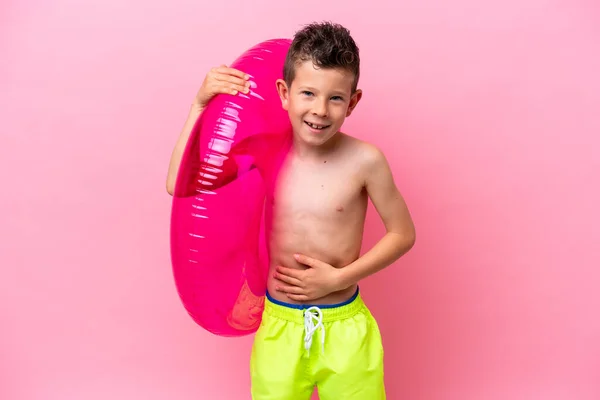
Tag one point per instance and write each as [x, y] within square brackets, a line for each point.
[411, 236]
[408, 239]
[170, 187]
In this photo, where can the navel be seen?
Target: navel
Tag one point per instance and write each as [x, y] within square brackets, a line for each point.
[339, 208]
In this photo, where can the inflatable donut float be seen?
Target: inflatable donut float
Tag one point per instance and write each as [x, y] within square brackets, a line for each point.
[219, 246]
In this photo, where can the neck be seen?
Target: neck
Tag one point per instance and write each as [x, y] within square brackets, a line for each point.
[311, 152]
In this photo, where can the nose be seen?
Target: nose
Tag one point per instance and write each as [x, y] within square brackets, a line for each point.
[320, 108]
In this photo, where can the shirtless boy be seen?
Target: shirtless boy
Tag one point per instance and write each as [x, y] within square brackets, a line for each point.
[316, 330]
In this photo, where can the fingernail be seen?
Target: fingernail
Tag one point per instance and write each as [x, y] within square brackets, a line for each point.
[246, 76]
[234, 92]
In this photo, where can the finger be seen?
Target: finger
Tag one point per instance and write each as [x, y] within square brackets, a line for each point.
[227, 88]
[235, 89]
[227, 85]
[232, 71]
[240, 88]
[302, 259]
[294, 273]
[232, 80]
[290, 289]
[288, 279]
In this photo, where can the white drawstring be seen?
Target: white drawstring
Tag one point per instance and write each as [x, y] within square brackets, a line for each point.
[311, 315]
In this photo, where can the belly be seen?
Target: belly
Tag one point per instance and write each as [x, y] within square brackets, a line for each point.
[335, 240]
[337, 247]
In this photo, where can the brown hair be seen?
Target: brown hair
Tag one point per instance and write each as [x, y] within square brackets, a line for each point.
[327, 45]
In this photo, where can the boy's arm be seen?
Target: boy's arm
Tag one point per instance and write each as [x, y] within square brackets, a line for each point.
[321, 278]
[177, 154]
[391, 207]
[218, 80]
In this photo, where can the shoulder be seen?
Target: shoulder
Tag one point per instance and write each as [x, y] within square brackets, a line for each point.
[366, 155]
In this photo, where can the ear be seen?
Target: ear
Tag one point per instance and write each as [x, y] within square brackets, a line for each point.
[284, 93]
[356, 96]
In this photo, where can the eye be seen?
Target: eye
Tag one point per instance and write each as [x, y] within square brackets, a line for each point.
[337, 98]
[306, 93]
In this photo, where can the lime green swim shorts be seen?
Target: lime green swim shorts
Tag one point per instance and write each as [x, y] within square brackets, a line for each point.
[336, 348]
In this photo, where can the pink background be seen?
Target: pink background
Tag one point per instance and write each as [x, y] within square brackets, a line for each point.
[490, 116]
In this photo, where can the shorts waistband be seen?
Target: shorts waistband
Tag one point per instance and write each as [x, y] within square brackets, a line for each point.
[331, 312]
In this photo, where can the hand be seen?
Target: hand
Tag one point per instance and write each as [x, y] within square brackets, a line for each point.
[317, 281]
[221, 80]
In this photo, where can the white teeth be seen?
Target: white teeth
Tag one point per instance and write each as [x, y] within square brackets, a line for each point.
[315, 126]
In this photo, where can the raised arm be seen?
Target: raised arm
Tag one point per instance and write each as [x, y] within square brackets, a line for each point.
[219, 80]
[177, 154]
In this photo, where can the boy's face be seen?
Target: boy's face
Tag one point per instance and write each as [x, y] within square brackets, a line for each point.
[318, 101]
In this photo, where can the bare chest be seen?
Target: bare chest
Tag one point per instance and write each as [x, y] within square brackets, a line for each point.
[306, 191]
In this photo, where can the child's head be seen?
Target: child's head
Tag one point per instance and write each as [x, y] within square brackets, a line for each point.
[319, 86]
[327, 46]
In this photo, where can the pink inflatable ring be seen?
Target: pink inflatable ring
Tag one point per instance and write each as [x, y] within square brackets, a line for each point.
[219, 249]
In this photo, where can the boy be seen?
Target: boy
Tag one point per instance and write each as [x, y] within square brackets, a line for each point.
[316, 330]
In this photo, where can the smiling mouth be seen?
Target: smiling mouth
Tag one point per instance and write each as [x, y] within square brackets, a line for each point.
[316, 126]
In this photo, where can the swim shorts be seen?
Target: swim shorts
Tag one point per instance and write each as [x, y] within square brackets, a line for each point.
[336, 348]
